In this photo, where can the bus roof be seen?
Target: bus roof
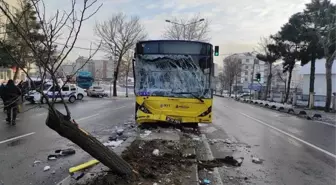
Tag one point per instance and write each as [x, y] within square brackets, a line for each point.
[144, 41]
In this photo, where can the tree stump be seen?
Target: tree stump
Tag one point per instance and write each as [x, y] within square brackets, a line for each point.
[70, 130]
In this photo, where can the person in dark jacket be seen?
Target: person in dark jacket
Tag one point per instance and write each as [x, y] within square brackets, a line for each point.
[2, 90]
[11, 96]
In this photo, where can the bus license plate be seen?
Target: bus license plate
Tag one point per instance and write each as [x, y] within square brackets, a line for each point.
[173, 120]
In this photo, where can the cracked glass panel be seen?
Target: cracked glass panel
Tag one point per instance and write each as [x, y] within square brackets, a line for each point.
[173, 76]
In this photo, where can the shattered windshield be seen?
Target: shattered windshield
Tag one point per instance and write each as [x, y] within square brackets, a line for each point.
[173, 76]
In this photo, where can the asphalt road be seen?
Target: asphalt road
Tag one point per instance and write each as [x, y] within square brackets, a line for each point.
[293, 150]
[33, 140]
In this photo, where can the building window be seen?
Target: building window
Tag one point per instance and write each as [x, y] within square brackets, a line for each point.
[246, 66]
[247, 61]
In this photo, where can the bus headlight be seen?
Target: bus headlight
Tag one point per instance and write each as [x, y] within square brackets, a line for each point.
[206, 112]
[144, 109]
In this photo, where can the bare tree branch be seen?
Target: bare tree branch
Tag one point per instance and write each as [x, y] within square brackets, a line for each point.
[188, 29]
[119, 35]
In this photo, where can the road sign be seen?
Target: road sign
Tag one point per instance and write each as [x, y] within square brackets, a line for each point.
[255, 87]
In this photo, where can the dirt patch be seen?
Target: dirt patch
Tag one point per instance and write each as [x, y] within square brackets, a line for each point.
[166, 168]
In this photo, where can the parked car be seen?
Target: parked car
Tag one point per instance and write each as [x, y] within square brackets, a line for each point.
[96, 91]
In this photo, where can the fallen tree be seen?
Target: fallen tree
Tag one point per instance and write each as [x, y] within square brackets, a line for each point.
[48, 62]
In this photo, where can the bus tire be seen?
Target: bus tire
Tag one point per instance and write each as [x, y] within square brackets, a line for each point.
[72, 99]
[80, 96]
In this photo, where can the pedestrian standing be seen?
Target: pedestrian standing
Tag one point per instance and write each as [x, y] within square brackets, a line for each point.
[11, 96]
[2, 89]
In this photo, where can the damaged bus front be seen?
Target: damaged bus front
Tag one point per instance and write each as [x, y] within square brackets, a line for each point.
[173, 81]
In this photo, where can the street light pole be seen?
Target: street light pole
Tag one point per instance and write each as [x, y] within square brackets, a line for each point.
[184, 25]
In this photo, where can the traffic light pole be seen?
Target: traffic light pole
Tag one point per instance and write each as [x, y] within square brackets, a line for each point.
[252, 78]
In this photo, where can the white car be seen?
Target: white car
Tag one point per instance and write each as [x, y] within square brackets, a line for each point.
[97, 91]
[70, 92]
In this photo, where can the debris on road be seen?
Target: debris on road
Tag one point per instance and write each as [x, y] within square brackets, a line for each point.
[147, 132]
[53, 172]
[228, 141]
[232, 161]
[189, 153]
[156, 161]
[156, 152]
[46, 168]
[37, 162]
[77, 175]
[205, 182]
[83, 166]
[113, 144]
[52, 157]
[113, 137]
[195, 138]
[256, 160]
[66, 152]
[120, 131]
[220, 162]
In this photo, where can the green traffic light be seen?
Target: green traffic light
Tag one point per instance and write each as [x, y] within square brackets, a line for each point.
[216, 54]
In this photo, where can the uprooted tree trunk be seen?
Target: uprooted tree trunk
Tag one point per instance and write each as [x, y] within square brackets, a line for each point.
[66, 128]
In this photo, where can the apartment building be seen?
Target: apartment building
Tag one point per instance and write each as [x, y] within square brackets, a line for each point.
[100, 69]
[250, 66]
[8, 73]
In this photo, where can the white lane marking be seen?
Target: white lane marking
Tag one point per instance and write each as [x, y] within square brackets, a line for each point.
[15, 138]
[287, 134]
[326, 123]
[65, 181]
[87, 117]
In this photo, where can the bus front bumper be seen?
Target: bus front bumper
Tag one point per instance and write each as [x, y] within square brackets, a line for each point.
[151, 118]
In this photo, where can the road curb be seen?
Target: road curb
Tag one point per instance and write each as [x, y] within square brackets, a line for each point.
[284, 109]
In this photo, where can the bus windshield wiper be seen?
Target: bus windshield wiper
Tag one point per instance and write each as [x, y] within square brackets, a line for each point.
[199, 98]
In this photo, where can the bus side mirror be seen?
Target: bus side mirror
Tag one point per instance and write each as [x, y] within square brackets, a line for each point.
[216, 51]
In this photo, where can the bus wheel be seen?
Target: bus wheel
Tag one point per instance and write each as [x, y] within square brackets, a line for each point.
[72, 99]
[80, 97]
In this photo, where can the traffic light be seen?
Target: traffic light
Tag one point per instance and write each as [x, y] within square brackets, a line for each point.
[258, 77]
[216, 50]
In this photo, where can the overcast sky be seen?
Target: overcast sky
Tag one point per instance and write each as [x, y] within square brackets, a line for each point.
[236, 25]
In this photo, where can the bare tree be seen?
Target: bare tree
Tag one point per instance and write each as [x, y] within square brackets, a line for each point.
[232, 70]
[188, 29]
[267, 52]
[49, 64]
[327, 38]
[223, 82]
[119, 35]
[280, 77]
[125, 68]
